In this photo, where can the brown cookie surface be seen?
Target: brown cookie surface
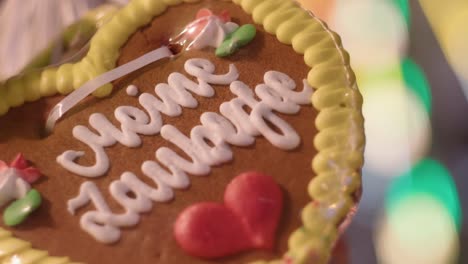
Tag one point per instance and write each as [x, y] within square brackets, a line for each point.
[151, 241]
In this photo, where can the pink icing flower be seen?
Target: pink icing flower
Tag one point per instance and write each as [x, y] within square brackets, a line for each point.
[28, 173]
[224, 16]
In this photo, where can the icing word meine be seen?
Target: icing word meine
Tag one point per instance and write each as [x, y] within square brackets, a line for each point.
[233, 126]
[134, 121]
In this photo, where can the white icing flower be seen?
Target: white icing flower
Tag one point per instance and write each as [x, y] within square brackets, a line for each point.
[15, 179]
[213, 34]
[12, 186]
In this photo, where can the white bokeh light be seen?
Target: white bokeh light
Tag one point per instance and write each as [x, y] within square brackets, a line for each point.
[374, 32]
[418, 231]
[398, 129]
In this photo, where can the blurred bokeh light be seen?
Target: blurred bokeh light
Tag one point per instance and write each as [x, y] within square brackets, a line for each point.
[405, 10]
[430, 178]
[397, 127]
[449, 21]
[416, 81]
[410, 201]
[377, 36]
[418, 230]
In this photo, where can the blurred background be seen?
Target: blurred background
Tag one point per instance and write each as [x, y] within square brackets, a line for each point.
[411, 61]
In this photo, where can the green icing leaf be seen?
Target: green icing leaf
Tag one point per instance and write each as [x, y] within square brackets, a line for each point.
[236, 40]
[20, 209]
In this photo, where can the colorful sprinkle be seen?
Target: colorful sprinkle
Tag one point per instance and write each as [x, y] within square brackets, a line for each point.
[20, 209]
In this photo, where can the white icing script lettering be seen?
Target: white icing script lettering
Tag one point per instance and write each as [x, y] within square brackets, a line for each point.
[134, 121]
[234, 126]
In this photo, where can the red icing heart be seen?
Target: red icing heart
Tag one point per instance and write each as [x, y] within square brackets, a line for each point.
[248, 219]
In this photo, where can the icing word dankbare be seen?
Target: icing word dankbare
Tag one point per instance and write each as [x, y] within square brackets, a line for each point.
[234, 126]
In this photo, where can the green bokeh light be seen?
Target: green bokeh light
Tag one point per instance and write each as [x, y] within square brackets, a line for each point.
[405, 10]
[427, 177]
[373, 78]
[418, 231]
[416, 81]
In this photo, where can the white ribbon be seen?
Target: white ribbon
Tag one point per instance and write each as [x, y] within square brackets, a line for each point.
[89, 87]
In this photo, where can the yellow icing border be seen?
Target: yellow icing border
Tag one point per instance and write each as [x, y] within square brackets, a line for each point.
[339, 142]
[34, 84]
